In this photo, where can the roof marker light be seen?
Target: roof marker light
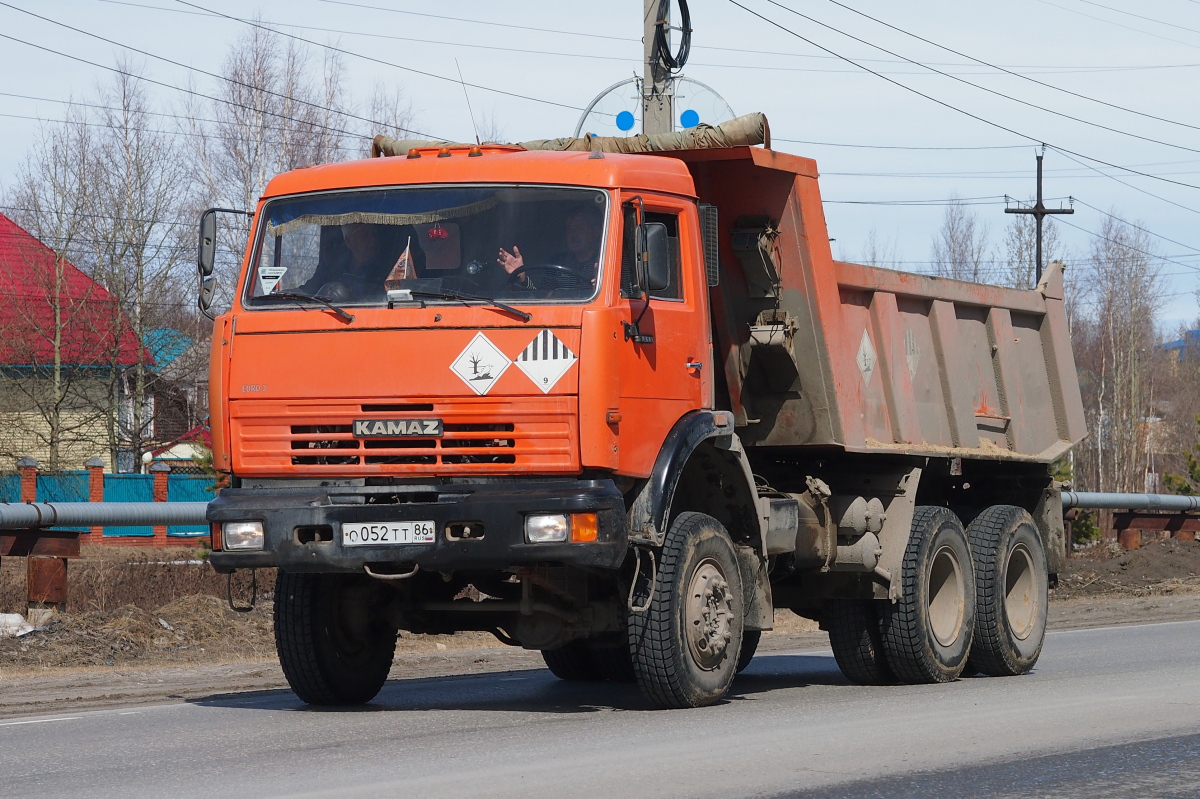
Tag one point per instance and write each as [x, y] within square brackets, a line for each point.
[414, 153]
[444, 152]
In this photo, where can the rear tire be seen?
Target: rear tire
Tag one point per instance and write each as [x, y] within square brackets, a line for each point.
[927, 632]
[856, 637]
[1011, 591]
[333, 647]
[685, 646]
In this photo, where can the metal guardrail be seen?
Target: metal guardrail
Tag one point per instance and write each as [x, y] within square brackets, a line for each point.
[32, 515]
[1109, 501]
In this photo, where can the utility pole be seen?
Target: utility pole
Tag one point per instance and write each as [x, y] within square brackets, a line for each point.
[658, 88]
[1039, 212]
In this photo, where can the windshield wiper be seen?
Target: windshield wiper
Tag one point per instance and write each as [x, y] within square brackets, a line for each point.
[448, 294]
[290, 295]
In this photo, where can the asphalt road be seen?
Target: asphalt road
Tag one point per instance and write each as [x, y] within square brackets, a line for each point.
[1111, 712]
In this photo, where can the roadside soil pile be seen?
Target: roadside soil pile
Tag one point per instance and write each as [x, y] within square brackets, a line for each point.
[1157, 569]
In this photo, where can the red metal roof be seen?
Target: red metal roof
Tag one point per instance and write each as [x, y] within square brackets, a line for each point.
[94, 330]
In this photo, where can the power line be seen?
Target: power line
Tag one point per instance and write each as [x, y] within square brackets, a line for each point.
[1118, 24]
[496, 24]
[1138, 227]
[899, 147]
[379, 60]
[1129, 185]
[1010, 72]
[1139, 16]
[194, 69]
[1008, 97]
[945, 104]
[1155, 256]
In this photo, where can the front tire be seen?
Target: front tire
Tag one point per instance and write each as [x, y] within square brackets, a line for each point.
[1011, 591]
[686, 645]
[927, 633]
[335, 649]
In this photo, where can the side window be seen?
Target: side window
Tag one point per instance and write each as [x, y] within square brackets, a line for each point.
[674, 290]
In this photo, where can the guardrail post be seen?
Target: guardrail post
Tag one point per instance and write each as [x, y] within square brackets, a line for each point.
[162, 473]
[28, 469]
[95, 467]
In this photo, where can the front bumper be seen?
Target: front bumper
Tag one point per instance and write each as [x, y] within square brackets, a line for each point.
[501, 507]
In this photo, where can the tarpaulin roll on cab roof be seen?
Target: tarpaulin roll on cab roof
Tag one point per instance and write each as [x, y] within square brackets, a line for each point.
[747, 130]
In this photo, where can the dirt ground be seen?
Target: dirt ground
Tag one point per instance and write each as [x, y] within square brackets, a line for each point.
[194, 646]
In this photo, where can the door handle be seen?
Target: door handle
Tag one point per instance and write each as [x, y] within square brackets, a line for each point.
[697, 365]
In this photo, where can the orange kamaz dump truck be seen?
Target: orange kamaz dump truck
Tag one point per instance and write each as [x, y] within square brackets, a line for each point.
[618, 407]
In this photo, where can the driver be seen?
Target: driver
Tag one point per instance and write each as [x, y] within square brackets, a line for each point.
[583, 232]
[369, 254]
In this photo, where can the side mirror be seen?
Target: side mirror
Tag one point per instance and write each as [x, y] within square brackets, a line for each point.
[657, 256]
[207, 251]
[208, 289]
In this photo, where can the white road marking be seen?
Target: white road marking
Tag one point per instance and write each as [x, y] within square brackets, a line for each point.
[36, 721]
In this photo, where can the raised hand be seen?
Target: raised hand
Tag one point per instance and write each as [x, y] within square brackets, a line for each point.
[511, 261]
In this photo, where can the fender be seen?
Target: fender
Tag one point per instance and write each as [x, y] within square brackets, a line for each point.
[649, 512]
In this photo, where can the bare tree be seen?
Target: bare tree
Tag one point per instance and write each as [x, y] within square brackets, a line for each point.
[960, 250]
[880, 252]
[52, 331]
[391, 108]
[271, 116]
[1020, 245]
[1118, 352]
[141, 252]
[489, 127]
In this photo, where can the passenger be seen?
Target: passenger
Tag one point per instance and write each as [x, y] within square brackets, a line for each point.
[584, 230]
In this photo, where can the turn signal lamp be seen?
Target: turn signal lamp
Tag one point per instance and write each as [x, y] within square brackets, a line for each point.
[585, 527]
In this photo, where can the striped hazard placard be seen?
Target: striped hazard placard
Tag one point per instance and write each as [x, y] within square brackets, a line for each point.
[545, 360]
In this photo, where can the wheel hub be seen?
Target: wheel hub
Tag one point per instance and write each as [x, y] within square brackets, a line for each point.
[708, 615]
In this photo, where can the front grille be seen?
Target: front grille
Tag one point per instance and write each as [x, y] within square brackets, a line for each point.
[479, 436]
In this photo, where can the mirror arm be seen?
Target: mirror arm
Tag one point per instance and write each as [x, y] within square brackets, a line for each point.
[632, 331]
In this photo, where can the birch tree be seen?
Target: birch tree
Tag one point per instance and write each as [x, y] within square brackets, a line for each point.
[960, 249]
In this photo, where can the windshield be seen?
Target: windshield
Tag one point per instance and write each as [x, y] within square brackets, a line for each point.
[515, 244]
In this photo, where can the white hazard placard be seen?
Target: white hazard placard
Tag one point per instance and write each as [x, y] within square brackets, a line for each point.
[480, 364]
[270, 275]
[545, 360]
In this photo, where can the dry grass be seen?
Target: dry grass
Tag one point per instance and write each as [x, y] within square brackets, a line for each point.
[110, 577]
[191, 629]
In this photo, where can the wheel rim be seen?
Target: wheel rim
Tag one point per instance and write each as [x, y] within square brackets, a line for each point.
[708, 615]
[946, 599]
[1020, 603]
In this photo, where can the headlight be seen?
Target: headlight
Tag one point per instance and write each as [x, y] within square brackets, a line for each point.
[547, 528]
[242, 535]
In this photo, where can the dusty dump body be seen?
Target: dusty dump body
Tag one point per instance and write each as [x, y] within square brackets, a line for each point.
[631, 404]
[817, 352]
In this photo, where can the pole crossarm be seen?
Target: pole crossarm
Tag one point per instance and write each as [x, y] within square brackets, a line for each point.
[1039, 212]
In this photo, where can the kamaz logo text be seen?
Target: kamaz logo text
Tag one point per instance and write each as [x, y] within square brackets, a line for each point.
[393, 428]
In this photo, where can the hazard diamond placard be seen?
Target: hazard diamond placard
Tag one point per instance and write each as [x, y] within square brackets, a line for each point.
[545, 360]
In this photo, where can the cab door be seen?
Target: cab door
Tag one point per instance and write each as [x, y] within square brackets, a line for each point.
[669, 375]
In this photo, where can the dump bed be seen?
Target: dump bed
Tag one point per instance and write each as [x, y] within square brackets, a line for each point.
[821, 353]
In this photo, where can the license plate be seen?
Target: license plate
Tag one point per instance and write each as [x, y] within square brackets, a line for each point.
[359, 534]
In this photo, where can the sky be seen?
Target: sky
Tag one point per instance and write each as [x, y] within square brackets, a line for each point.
[1115, 93]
